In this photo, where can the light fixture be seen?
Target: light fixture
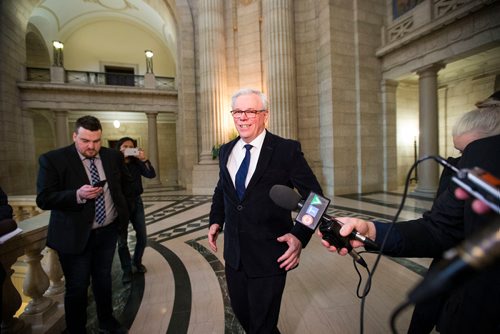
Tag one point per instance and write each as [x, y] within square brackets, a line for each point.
[149, 61]
[58, 53]
[116, 124]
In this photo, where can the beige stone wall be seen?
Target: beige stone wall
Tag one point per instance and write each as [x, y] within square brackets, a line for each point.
[17, 163]
[350, 131]
[306, 53]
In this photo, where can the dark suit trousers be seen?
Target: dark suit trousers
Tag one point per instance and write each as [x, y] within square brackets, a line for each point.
[95, 262]
[255, 301]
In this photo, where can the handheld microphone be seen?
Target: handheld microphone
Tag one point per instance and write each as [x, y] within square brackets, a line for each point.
[474, 254]
[286, 198]
[477, 182]
[312, 212]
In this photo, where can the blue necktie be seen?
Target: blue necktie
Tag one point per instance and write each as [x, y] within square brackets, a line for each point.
[241, 174]
[100, 208]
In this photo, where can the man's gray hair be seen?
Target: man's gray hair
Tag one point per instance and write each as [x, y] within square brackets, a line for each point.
[249, 91]
[484, 121]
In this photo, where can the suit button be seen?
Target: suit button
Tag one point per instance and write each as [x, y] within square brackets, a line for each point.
[239, 207]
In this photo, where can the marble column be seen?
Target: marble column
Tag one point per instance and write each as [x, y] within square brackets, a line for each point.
[214, 104]
[428, 171]
[62, 132]
[279, 62]
[153, 145]
[389, 127]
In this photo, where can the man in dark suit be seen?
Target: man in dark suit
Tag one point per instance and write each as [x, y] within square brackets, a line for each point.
[261, 243]
[84, 219]
[471, 307]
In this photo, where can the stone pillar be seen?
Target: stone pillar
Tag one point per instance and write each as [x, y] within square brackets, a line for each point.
[11, 300]
[390, 136]
[35, 284]
[57, 74]
[55, 274]
[149, 81]
[428, 171]
[153, 145]
[62, 132]
[279, 60]
[214, 104]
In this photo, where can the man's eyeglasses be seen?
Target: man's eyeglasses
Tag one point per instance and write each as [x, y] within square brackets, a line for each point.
[250, 113]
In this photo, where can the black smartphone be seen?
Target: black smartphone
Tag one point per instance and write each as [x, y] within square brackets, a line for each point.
[99, 184]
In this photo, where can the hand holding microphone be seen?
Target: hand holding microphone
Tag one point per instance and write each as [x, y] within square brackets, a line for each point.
[348, 227]
[312, 214]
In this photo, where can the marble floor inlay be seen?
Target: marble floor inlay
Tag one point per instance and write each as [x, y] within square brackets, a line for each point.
[184, 289]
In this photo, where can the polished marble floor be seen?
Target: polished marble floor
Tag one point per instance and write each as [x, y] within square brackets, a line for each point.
[184, 288]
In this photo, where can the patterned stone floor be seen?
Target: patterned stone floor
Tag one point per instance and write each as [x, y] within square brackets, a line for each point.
[184, 289]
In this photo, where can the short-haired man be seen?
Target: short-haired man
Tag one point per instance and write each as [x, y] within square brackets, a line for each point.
[261, 243]
[84, 219]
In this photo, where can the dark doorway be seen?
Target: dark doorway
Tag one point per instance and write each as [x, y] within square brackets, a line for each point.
[119, 76]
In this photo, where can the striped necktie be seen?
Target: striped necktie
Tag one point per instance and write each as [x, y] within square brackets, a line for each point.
[100, 208]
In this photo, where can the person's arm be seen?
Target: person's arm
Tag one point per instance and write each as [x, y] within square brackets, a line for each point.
[145, 166]
[53, 194]
[302, 178]
[5, 208]
[217, 211]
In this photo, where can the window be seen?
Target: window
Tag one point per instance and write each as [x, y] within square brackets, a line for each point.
[119, 76]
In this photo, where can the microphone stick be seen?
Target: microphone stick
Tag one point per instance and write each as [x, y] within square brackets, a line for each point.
[286, 198]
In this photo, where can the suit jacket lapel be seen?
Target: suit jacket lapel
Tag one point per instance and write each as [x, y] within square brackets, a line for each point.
[224, 157]
[77, 163]
[266, 153]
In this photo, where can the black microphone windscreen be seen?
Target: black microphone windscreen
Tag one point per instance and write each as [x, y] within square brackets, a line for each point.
[284, 197]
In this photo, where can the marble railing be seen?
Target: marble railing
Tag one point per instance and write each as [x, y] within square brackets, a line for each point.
[24, 207]
[425, 18]
[42, 285]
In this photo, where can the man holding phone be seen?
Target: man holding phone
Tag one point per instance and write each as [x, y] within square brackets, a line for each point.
[83, 185]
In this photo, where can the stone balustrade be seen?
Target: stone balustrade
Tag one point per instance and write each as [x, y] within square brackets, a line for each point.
[44, 288]
[24, 207]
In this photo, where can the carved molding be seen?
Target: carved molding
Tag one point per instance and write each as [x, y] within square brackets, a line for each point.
[443, 7]
[401, 29]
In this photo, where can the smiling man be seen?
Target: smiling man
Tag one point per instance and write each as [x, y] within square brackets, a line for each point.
[261, 243]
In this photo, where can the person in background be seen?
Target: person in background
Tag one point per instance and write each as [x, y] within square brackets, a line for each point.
[261, 243]
[6, 225]
[473, 306]
[476, 124]
[5, 208]
[138, 165]
[84, 220]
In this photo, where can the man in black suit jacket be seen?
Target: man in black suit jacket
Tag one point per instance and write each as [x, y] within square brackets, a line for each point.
[261, 243]
[473, 306]
[85, 245]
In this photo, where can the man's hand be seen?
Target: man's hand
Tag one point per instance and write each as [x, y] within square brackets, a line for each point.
[478, 206]
[290, 259]
[213, 233]
[364, 227]
[89, 192]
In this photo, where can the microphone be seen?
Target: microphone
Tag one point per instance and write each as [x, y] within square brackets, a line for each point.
[472, 255]
[311, 212]
[286, 198]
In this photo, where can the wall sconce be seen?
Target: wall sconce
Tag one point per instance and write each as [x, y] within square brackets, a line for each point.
[149, 61]
[116, 124]
[58, 53]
